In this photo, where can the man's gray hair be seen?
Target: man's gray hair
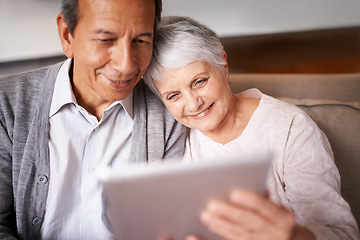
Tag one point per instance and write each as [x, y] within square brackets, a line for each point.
[180, 41]
[70, 10]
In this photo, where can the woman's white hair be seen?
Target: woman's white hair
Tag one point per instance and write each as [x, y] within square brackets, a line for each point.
[179, 41]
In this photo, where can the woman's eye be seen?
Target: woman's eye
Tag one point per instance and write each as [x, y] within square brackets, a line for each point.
[200, 82]
[172, 96]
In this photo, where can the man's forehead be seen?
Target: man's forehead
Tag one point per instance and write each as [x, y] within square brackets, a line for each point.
[139, 11]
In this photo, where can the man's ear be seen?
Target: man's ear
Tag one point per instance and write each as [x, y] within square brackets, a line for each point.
[64, 35]
[226, 70]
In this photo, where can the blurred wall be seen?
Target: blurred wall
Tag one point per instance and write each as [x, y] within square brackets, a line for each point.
[28, 27]
[248, 17]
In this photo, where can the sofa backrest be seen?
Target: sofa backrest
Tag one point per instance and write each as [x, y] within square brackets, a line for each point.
[333, 102]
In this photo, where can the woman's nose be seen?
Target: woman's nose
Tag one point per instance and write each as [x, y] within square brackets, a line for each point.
[193, 102]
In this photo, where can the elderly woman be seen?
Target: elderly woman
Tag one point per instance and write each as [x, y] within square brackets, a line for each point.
[189, 73]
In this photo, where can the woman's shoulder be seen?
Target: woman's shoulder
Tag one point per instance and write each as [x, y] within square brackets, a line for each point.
[275, 112]
[270, 104]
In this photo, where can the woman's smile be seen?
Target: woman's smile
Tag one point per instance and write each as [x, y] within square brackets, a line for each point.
[203, 113]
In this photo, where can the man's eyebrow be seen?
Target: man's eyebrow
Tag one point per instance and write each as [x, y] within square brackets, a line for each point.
[102, 31]
[146, 34]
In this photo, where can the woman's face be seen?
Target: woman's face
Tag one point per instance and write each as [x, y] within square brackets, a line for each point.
[198, 95]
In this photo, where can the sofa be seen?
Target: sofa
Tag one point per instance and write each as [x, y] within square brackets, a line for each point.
[333, 102]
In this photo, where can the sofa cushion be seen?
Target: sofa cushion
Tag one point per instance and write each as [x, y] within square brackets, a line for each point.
[340, 121]
[341, 87]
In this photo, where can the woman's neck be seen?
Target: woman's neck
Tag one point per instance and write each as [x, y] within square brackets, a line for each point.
[235, 122]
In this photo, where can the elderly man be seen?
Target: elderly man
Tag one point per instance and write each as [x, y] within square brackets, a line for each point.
[60, 123]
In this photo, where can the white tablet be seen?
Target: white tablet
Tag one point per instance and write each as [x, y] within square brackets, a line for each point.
[148, 201]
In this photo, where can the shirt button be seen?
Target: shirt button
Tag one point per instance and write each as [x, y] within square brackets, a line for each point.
[42, 179]
[97, 129]
[91, 169]
[89, 212]
[36, 221]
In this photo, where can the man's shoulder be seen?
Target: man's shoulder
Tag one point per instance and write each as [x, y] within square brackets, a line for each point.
[22, 92]
[30, 78]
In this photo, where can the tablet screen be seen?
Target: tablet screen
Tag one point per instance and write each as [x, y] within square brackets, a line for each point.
[166, 199]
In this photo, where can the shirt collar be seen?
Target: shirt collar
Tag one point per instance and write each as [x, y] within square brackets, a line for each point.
[64, 95]
[62, 90]
[127, 104]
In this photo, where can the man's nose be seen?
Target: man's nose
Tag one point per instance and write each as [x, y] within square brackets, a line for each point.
[124, 59]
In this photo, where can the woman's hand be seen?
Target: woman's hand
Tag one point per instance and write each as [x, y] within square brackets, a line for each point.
[248, 215]
[190, 237]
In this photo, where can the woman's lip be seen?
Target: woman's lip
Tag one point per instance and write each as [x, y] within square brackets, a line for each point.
[203, 113]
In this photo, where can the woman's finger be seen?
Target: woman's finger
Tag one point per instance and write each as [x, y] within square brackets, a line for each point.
[235, 215]
[223, 227]
[192, 237]
[263, 206]
[268, 221]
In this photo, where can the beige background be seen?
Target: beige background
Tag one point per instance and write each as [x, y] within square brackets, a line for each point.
[28, 27]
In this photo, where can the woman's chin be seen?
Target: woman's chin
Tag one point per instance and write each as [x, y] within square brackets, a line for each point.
[201, 127]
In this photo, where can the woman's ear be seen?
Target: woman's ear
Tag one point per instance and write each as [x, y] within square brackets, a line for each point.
[64, 35]
[226, 70]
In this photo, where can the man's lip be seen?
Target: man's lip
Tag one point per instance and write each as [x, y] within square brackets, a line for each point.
[202, 113]
[115, 81]
[118, 84]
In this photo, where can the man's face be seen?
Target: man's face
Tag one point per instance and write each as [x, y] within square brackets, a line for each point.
[112, 47]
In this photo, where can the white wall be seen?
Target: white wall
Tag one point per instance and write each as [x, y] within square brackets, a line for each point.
[246, 17]
[28, 27]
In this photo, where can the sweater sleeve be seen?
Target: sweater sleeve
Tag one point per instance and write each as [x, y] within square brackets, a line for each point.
[175, 139]
[7, 213]
[156, 136]
[23, 150]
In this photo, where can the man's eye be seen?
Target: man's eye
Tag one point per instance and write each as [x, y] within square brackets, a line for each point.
[142, 41]
[106, 40]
